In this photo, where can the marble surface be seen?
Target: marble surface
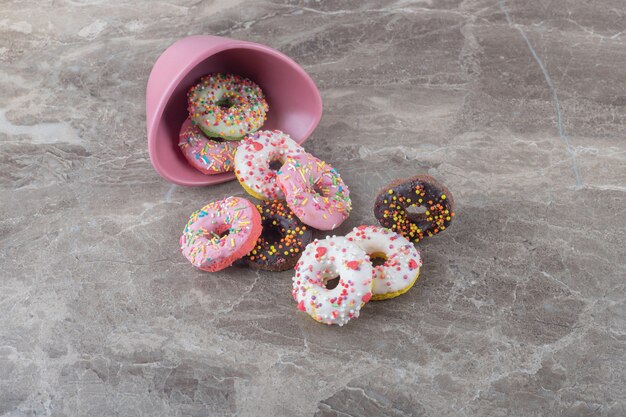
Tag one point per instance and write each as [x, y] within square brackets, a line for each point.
[519, 106]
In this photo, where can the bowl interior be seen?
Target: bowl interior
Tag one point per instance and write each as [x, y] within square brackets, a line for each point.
[294, 105]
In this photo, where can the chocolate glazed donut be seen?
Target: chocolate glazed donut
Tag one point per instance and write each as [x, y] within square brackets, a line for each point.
[393, 201]
[282, 240]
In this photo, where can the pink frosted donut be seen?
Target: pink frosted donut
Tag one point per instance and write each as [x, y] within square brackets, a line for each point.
[220, 233]
[206, 155]
[314, 191]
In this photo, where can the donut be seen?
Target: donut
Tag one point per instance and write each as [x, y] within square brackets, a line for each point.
[393, 200]
[220, 233]
[227, 106]
[206, 155]
[322, 261]
[402, 262]
[282, 240]
[256, 156]
[314, 191]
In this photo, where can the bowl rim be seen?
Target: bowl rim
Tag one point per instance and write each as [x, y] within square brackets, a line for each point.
[223, 44]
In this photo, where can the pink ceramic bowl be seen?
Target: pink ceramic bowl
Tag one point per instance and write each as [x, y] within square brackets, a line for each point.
[294, 100]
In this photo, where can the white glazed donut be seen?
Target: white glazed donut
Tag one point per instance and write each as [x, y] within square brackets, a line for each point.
[253, 159]
[323, 260]
[227, 106]
[402, 262]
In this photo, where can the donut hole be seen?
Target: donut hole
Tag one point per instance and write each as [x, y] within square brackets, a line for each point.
[378, 258]
[220, 232]
[276, 160]
[332, 283]
[318, 189]
[276, 164]
[272, 233]
[416, 210]
[416, 213]
[226, 102]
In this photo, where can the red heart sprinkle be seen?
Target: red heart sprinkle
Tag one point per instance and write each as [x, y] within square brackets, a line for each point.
[321, 251]
[257, 146]
[353, 265]
[301, 306]
[412, 264]
[366, 297]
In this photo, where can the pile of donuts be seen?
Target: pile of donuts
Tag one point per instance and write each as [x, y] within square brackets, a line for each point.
[300, 194]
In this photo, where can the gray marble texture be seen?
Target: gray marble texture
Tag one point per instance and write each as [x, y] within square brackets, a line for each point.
[519, 106]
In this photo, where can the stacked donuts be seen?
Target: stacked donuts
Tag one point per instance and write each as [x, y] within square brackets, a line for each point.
[313, 189]
[372, 262]
[334, 277]
[298, 190]
[360, 279]
[223, 109]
